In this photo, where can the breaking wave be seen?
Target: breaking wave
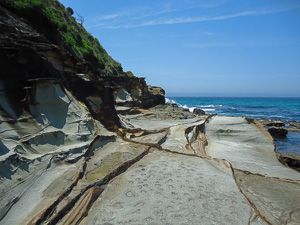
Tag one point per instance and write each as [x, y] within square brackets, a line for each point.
[286, 109]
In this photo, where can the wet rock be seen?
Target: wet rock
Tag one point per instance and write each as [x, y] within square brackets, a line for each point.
[270, 123]
[278, 132]
[276, 128]
[290, 160]
[294, 126]
[198, 111]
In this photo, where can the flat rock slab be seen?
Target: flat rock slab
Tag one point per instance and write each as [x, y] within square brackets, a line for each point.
[154, 138]
[106, 160]
[39, 194]
[148, 123]
[167, 188]
[245, 146]
[278, 201]
[110, 156]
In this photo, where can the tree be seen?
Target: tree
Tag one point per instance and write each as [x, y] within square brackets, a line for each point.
[79, 18]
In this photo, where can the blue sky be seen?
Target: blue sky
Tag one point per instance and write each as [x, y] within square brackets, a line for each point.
[202, 47]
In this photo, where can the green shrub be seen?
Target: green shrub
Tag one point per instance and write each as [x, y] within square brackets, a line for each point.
[71, 34]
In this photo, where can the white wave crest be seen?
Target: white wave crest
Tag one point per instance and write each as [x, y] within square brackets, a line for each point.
[209, 106]
[191, 109]
[206, 108]
[170, 101]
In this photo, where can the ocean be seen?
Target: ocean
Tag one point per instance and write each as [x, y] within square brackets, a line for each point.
[284, 109]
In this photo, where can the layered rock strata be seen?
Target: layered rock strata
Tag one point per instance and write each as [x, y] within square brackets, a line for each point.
[82, 145]
[155, 169]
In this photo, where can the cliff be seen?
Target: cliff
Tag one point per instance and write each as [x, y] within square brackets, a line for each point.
[47, 25]
[41, 40]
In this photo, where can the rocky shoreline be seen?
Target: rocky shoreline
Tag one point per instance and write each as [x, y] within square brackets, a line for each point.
[184, 161]
[83, 142]
[280, 131]
[277, 129]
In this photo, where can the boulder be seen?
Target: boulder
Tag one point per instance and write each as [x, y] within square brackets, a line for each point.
[198, 111]
[276, 128]
[153, 96]
[278, 132]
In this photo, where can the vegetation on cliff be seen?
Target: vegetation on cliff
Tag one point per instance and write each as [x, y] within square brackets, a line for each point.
[57, 23]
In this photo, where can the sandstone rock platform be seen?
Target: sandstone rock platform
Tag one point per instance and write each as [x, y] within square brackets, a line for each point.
[159, 168]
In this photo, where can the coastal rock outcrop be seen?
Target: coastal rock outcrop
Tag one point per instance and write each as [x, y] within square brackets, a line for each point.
[290, 160]
[155, 96]
[272, 123]
[276, 128]
[294, 126]
[198, 111]
[79, 143]
[278, 132]
[57, 107]
[134, 92]
[31, 50]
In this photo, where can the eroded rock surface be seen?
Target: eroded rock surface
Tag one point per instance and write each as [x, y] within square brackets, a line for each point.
[166, 188]
[80, 143]
[245, 146]
[154, 170]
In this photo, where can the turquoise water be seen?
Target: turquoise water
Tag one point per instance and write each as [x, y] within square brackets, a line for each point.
[285, 109]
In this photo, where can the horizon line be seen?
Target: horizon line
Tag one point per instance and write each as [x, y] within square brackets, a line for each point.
[190, 96]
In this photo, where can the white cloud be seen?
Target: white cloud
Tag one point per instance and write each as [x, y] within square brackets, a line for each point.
[134, 21]
[184, 20]
[108, 17]
[127, 17]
